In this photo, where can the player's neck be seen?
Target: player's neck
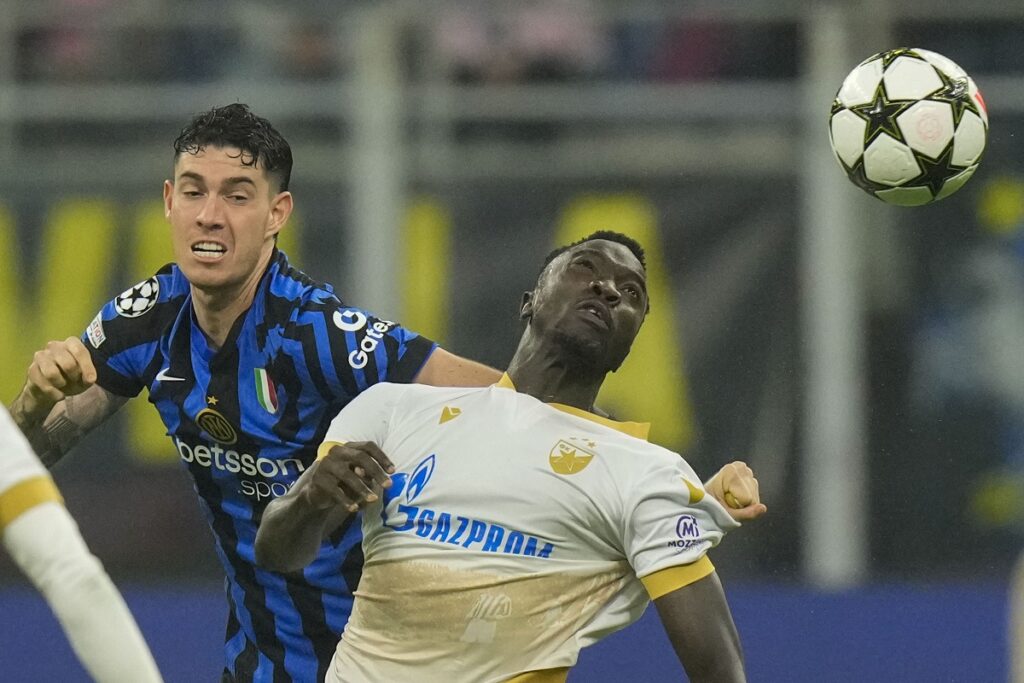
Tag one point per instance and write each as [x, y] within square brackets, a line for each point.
[217, 309]
[545, 374]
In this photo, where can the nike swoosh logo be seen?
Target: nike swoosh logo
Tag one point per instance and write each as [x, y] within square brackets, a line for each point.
[162, 376]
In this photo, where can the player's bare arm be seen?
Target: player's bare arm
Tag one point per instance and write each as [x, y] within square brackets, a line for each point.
[444, 369]
[348, 478]
[703, 634]
[61, 401]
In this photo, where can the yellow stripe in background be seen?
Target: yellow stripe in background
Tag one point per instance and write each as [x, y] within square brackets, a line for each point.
[25, 495]
[655, 362]
[665, 581]
[426, 267]
[145, 431]
[16, 354]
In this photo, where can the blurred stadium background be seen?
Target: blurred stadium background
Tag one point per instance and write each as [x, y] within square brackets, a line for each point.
[865, 359]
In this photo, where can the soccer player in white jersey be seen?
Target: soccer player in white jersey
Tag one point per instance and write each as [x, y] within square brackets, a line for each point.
[506, 528]
[45, 543]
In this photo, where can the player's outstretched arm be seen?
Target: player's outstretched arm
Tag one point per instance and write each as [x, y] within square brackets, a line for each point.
[46, 544]
[444, 369]
[347, 478]
[700, 627]
[60, 401]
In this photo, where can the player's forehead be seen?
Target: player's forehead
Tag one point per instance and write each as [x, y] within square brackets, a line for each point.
[614, 253]
[214, 164]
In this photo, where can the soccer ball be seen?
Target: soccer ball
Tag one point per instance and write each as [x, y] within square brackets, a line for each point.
[908, 126]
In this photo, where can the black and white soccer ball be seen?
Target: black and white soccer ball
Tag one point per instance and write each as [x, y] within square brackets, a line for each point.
[908, 126]
[136, 300]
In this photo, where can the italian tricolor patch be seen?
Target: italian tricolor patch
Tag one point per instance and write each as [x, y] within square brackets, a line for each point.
[265, 391]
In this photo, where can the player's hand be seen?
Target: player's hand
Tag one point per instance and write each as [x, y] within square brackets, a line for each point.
[62, 369]
[351, 475]
[736, 488]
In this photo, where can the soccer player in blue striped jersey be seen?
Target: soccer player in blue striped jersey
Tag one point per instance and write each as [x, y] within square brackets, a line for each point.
[247, 361]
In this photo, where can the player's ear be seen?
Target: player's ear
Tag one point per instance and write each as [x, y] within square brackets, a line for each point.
[526, 309]
[280, 209]
[168, 193]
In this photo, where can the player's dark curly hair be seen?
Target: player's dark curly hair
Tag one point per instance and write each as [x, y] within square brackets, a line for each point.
[609, 235]
[235, 125]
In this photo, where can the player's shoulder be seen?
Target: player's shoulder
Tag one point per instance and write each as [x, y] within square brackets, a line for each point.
[416, 394]
[140, 312]
[294, 290]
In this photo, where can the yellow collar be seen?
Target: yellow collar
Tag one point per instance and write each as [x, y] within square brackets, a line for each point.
[639, 430]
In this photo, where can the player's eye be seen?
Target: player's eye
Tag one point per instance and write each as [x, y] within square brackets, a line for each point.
[633, 291]
[192, 193]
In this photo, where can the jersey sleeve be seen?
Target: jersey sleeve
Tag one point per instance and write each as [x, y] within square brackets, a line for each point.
[366, 418]
[123, 338]
[671, 523]
[357, 349]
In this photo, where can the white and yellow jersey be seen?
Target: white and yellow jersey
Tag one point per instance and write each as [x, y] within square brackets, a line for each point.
[24, 482]
[515, 532]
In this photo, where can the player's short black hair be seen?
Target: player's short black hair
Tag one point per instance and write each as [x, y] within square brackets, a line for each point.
[609, 235]
[234, 125]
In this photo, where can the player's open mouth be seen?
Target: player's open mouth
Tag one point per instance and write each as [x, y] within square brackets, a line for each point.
[209, 251]
[597, 313]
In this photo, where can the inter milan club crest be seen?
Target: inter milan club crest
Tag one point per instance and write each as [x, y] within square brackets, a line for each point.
[266, 392]
[134, 301]
[217, 426]
[572, 455]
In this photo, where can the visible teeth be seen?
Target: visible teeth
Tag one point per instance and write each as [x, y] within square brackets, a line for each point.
[208, 246]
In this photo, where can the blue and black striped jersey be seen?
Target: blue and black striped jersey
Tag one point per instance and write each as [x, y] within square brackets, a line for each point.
[246, 419]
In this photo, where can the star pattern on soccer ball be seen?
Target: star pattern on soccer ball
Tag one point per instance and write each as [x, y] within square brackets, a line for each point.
[956, 93]
[881, 116]
[935, 172]
[892, 55]
[859, 177]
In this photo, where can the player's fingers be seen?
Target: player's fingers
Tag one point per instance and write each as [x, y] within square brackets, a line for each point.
[374, 451]
[40, 386]
[749, 512]
[357, 458]
[45, 373]
[357, 489]
[81, 354]
[67, 364]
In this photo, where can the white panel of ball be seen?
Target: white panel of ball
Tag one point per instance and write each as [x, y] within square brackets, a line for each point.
[889, 162]
[848, 136]
[944, 64]
[859, 87]
[956, 182]
[910, 79]
[927, 126]
[906, 196]
[969, 140]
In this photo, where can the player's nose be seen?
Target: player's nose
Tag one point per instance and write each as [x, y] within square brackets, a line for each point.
[210, 215]
[606, 289]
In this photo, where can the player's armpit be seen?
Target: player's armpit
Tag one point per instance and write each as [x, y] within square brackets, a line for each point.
[445, 369]
[700, 626]
[68, 421]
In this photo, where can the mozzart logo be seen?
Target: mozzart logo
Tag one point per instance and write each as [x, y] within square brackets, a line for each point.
[688, 532]
[354, 320]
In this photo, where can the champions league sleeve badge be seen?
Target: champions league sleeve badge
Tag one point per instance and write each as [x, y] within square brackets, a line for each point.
[137, 300]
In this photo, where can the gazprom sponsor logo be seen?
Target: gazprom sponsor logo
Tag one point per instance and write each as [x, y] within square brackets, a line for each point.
[353, 320]
[441, 526]
[266, 470]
